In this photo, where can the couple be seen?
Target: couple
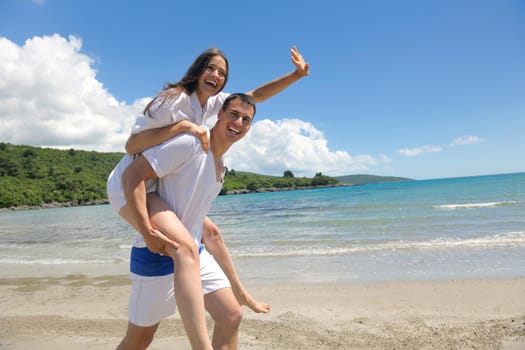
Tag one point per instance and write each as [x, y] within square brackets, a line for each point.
[180, 254]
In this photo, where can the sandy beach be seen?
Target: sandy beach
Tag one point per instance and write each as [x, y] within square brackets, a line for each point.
[81, 312]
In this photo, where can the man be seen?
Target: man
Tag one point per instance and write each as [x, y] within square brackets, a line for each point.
[189, 181]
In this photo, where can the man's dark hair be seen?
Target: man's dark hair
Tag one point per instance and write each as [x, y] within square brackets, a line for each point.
[243, 97]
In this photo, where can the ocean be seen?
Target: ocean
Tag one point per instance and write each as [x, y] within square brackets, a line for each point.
[470, 227]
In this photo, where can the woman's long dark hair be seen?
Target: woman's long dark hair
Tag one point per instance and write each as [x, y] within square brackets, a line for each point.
[190, 81]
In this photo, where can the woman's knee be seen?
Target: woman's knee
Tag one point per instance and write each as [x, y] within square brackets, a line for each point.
[187, 250]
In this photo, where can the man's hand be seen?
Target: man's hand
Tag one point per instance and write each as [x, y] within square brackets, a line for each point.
[158, 243]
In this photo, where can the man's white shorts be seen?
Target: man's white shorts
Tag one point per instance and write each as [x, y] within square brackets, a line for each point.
[152, 298]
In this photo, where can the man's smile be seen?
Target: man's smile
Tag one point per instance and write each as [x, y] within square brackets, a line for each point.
[234, 131]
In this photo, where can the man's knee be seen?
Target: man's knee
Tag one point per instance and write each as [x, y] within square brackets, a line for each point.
[138, 344]
[137, 338]
[232, 318]
[135, 343]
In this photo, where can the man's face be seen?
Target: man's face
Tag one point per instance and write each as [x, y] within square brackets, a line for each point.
[236, 120]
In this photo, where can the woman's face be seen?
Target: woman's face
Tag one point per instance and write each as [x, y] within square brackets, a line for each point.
[213, 77]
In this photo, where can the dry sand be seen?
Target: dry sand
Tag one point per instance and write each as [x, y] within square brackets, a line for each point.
[80, 312]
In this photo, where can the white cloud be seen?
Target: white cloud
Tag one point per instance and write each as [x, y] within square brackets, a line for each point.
[466, 140]
[411, 152]
[49, 96]
[271, 147]
[459, 141]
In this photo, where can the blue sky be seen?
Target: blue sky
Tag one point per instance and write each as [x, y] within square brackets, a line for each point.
[421, 89]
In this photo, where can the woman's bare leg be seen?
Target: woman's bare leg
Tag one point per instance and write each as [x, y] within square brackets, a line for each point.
[187, 281]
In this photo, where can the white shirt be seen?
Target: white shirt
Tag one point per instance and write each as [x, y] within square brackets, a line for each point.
[187, 180]
[170, 111]
[165, 112]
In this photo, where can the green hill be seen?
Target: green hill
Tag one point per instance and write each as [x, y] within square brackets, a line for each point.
[33, 176]
[361, 179]
[242, 182]
[36, 177]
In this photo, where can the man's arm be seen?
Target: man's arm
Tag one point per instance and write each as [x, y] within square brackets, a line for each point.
[134, 185]
[272, 88]
[212, 239]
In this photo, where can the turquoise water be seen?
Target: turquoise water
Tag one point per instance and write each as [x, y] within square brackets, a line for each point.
[471, 227]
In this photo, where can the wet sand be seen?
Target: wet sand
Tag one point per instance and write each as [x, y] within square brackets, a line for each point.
[81, 312]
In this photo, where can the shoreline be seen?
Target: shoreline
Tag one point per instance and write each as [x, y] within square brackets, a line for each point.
[283, 189]
[82, 312]
[54, 205]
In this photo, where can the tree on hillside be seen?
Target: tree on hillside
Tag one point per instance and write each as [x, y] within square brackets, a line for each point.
[288, 173]
[322, 180]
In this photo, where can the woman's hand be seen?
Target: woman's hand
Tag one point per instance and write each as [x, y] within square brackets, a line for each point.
[201, 133]
[244, 298]
[258, 307]
[302, 68]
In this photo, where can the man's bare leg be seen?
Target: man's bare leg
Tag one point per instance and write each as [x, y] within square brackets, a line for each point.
[187, 282]
[227, 314]
[137, 338]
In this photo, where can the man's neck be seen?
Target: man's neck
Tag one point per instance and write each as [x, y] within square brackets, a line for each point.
[218, 148]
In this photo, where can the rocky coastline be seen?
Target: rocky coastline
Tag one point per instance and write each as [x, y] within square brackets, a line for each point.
[105, 201]
[281, 189]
